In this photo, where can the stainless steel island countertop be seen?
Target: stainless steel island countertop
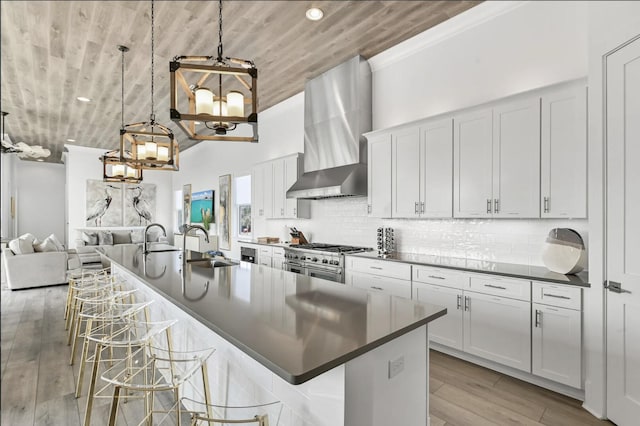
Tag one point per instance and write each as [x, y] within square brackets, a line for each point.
[297, 326]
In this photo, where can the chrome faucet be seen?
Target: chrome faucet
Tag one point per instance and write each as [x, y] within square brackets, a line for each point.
[146, 242]
[186, 229]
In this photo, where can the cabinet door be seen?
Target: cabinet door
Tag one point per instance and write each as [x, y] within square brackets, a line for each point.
[278, 188]
[557, 344]
[257, 191]
[290, 177]
[405, 173]
[564, 153]
[516, 159]
[446, 330]
[472, 168]
[498, 329]
[267, 175]
[379, 176]
[264, 260]
[437, 169]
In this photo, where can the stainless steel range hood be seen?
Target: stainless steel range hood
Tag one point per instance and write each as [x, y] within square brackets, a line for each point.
[337, 111]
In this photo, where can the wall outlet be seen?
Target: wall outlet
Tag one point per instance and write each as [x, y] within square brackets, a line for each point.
[396, 366]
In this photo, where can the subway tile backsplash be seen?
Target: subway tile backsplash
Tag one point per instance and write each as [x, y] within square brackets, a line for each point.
[345, 221]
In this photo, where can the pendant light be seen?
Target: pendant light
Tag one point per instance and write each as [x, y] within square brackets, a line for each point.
[114, 163]
[222, 87]
[152, 145]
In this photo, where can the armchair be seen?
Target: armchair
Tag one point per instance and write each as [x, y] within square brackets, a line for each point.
[34, 269]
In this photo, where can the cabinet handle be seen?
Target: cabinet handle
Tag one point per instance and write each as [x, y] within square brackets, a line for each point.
[376, 288]
[415, 209]
[376, 267]
[369, 208]
[495, 286]
[295, 211]
[546, 204]
[436, 277]
[282, 212]
[422, 207]
[467, 303]
[488, 205]
[459, 301]
[556, 296]
[496, 204]
[538, 318]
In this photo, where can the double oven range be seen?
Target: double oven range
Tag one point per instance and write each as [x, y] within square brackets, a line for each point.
[319, 260]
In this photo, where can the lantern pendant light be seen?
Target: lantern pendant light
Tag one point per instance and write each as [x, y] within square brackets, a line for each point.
[152, 145]
[221, 106]
[114, 163]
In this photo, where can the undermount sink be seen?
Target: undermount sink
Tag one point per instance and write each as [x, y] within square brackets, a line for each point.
[212, 263]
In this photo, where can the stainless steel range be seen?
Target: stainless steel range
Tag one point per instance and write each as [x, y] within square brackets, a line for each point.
[319, 260]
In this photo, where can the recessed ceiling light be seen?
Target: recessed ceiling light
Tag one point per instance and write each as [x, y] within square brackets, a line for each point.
[39, 159]
[71, 140]
[83, 99]
[314, 14]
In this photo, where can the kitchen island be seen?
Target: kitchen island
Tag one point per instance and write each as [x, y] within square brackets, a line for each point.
[332, 354]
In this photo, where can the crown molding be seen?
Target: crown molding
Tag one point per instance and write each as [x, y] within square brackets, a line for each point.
[477, 15]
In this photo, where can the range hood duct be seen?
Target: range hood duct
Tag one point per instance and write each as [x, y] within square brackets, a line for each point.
[337, 111]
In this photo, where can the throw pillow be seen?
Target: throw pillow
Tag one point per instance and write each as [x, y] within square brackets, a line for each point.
[90, 238]
[105, 238]
[26, 243]
[56, 241]
[14, 246]
[121, 237]
[46, 245]
[137, 236]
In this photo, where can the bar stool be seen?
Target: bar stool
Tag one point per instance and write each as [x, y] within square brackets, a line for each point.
[79, 280]
[128, 348]
[91, 284]
[107, 325]
[262, 414]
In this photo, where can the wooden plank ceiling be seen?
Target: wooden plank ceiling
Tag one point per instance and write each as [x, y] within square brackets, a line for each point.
[55, 51]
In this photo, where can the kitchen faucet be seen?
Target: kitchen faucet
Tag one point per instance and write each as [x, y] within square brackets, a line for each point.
[185, 231]
[146, 242]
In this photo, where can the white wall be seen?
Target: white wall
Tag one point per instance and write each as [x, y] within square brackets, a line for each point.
[82, 164]
[40, 200]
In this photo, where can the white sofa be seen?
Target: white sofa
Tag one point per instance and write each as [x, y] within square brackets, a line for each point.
[34, 269]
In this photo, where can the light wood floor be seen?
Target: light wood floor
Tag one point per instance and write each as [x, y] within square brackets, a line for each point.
[38, 384]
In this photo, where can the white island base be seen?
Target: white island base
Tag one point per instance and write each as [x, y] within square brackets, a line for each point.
[387, 385]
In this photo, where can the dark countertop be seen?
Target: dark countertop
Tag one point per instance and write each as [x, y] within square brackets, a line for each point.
[536, 273]
[296, 326]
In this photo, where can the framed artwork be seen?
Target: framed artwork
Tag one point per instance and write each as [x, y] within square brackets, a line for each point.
[139, 204]
[202, 208]
[224, 213]
[186, 203]
[244, 220]
[119, 204]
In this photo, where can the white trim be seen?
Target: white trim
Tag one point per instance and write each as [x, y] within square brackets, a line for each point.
[473, 17]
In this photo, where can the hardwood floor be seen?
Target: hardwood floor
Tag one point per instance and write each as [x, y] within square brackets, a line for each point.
[38, 383]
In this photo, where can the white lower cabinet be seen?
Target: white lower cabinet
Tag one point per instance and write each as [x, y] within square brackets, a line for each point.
[446, 330]
[498, 329]
[394, 286]
[557, 333]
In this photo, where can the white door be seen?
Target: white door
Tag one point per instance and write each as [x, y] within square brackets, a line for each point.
[405, 173]
[563, 161]
[498, 329]
[290, 177]
[446, 330]
[472, 168]
[557, 344]
[516, 159]
[379, 176]
[437, 169]
[623, 234]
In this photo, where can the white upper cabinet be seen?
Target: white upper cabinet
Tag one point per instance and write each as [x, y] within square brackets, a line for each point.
[405, 173]
[564, 153]
[379, 176]
[270, 183]
[472, 167]
[497, 160]
[279, 191]
[262, 190]
[294, 208]
[436, 180]
[516, 159]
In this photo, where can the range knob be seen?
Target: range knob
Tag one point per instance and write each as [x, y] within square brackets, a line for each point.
[303, 258]
[295, 257]
[335, 262]
[325, 261]
[315, 259]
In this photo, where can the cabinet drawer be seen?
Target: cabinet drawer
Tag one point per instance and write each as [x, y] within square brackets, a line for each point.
[278, 251]
[438, 276]
[503, 287]
[387, 285]
[380, 267]
[557, 295]
[266, 251]
[265, 260]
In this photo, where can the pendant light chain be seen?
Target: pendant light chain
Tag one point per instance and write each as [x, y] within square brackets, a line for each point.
[220, 30]
[152, 116]
[122, 50]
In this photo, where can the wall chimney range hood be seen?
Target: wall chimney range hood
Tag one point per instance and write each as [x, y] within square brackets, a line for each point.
[337, 111]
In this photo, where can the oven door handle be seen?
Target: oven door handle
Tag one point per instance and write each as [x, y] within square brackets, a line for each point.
[330, 271]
